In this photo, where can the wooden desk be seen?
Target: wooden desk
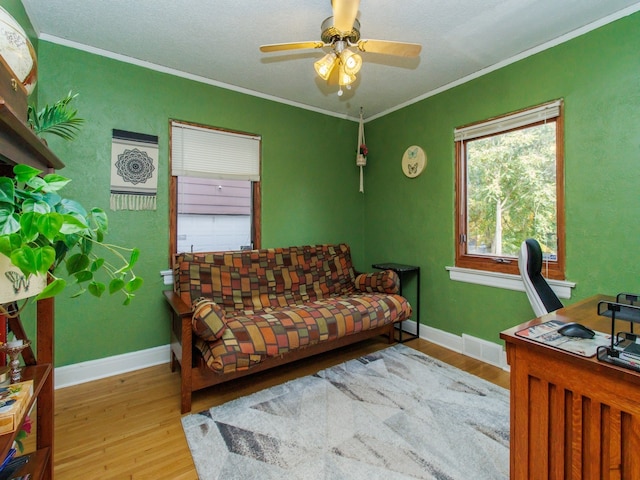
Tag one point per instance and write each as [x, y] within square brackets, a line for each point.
[572, 417]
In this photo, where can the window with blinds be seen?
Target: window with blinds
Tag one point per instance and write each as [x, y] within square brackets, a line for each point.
[205, 152]
[215, 180]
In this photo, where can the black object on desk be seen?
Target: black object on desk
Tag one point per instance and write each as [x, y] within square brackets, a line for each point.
[402, 271]
[621, 352]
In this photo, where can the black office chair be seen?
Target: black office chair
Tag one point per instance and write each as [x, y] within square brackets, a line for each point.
[542, 298]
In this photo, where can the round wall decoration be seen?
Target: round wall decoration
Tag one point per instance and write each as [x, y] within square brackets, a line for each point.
[16, 50]
[414, 161]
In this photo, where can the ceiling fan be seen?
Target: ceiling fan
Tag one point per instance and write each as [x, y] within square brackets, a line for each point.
[341, 33]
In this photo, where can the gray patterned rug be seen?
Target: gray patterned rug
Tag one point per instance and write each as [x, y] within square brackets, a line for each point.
[394, 414]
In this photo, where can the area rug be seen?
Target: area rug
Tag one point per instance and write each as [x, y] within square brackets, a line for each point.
[393, 414]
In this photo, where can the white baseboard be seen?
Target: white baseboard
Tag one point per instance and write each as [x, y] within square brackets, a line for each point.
[468, 345]
[77, 373]
[105, 367]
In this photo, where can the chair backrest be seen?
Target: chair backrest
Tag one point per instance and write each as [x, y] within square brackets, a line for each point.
[542, 298]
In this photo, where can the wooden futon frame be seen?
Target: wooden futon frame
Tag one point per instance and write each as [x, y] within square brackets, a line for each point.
[194, 373]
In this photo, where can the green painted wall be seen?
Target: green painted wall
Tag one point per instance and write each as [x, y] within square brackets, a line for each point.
[309, 185]
[598, 76]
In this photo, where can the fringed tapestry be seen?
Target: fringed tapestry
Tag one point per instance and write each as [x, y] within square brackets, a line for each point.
[134, 171]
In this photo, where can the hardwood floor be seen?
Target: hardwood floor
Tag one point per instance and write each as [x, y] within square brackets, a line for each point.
[128, 426]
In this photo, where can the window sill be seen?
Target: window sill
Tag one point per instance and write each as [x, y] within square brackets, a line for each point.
[562, 288]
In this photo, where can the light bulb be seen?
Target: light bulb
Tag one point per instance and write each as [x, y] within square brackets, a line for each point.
[325, 65]
[352, 62]
[345, 78]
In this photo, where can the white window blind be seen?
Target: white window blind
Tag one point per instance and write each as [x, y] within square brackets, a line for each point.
[211, 153]
[508, 122]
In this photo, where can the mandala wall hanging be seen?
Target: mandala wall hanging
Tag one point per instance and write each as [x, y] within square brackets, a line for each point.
[134, 171]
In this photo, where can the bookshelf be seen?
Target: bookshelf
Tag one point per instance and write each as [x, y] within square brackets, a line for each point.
[18, 144]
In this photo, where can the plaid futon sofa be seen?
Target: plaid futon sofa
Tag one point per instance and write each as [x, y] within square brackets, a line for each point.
[248, 306]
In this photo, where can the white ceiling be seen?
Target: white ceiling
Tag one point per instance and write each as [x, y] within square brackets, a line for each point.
[217, 41]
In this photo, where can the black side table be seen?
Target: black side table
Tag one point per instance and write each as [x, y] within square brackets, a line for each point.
[402, 271]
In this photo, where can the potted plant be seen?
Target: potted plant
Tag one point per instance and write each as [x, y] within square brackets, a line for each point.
[59, 119]
[40, 231]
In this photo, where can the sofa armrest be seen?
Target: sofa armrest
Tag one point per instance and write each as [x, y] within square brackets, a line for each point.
[386, 281]
[181, 345]
[181, 338]
[177, 305]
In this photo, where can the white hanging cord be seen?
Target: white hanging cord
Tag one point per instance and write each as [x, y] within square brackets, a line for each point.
[361, 156]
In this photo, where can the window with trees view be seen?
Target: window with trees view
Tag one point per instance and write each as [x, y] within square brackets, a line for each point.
[510, 188]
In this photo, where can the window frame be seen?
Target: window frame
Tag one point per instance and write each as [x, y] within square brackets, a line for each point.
[256, 201]
[554, 269]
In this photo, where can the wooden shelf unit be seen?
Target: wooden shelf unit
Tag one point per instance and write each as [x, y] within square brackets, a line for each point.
[18, 144]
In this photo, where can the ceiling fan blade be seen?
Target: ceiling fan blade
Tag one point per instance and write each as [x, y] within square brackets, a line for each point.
[344, 14]
[387, 47]
[278, 47]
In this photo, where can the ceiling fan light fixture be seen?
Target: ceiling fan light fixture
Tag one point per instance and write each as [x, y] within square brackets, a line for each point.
[325, 65]
[352, 62]
[340, 33]
[345, 78]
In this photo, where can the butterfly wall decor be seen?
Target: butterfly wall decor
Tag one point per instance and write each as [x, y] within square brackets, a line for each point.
[414, 161]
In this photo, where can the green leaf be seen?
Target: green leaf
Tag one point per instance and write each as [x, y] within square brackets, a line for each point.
[37, 183]
[83, 276]
[127, 300]
[52, 199]
[61, 249]
[69, 240]
[77, 263]
[97, 264]
[55, 182]
[53, 289]
[33, 260]
[72, 224]
[135, 254]
[26, 260]
[115, 285]
[34, 205]
[100, 217]
[22, 435]
[47, 256]
[7, 190]
[29, 226]
[96, 289]
[9, 243]
[50, 224]
[133, 284]
[9, 223]
[86, 241]
[72, 207]
[59, 119]
[133, 259]
[24, 173]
